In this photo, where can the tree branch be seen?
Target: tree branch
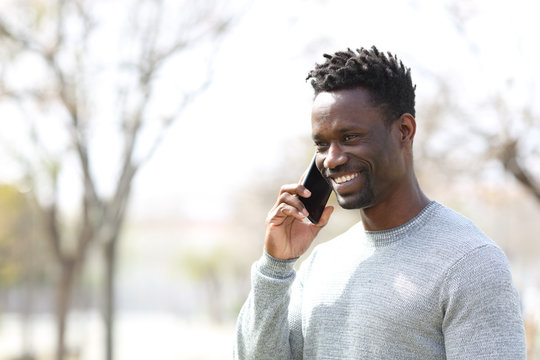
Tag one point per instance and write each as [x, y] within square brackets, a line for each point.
[509, 158]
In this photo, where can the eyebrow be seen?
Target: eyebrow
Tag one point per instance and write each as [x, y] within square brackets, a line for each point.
[342, 131]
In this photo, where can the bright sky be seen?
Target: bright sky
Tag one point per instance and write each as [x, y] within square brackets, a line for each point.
[259, 102]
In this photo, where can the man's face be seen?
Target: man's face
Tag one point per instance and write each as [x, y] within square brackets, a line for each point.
[357, 151]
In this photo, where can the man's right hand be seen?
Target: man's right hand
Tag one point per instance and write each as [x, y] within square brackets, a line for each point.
[288, 236]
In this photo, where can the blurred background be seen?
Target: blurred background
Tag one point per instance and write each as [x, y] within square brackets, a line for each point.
[144, 141]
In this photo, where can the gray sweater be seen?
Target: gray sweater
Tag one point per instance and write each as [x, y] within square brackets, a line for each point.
[433, 288]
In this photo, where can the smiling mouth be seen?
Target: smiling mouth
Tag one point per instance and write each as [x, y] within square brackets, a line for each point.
[345, 178]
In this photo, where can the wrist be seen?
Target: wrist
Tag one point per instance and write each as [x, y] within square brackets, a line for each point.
[276, 268]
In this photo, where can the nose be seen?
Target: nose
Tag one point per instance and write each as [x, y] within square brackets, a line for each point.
[334, 157]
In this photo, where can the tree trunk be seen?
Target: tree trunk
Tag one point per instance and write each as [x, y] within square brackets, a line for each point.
[109, 295]
[63, 304]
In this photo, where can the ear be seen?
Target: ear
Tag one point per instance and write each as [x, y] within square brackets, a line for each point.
[407, 128]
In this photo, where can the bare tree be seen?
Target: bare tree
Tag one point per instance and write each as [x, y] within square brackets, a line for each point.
[516, 150]
[81, 86]
[491, 128]
[511, 138]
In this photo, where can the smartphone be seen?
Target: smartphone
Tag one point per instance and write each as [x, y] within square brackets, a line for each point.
[320, 192]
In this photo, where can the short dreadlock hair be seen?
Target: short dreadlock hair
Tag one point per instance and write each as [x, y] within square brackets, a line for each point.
[385, 76]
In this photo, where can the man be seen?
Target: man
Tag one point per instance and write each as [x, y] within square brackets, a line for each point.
[412, 280]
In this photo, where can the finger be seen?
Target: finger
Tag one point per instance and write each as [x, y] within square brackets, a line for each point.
[293, 200]
[295, 189]
[285, 210]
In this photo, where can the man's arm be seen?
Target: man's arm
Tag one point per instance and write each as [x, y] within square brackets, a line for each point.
[482, 309]
[264, 330]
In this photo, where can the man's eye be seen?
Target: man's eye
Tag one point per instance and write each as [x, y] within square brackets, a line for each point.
[350, 137]
[320, 145]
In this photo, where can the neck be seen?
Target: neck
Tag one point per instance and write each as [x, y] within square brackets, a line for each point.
[396, 209]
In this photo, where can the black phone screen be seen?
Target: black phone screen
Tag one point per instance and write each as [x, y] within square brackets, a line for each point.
[320, 192]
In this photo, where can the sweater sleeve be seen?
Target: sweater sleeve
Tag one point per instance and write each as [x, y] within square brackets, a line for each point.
[482, 316]
[263, 330]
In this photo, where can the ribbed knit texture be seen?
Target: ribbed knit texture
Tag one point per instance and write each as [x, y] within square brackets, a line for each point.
[433, 288]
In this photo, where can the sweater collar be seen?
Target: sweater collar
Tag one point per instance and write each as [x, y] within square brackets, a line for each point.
[386, 237]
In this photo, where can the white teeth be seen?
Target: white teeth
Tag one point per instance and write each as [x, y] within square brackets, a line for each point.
[345, 178]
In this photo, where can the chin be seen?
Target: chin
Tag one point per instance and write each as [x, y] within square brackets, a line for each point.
[360, 201]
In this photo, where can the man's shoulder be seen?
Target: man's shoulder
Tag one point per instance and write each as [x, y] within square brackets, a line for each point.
[455, 227]
[450, 236]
